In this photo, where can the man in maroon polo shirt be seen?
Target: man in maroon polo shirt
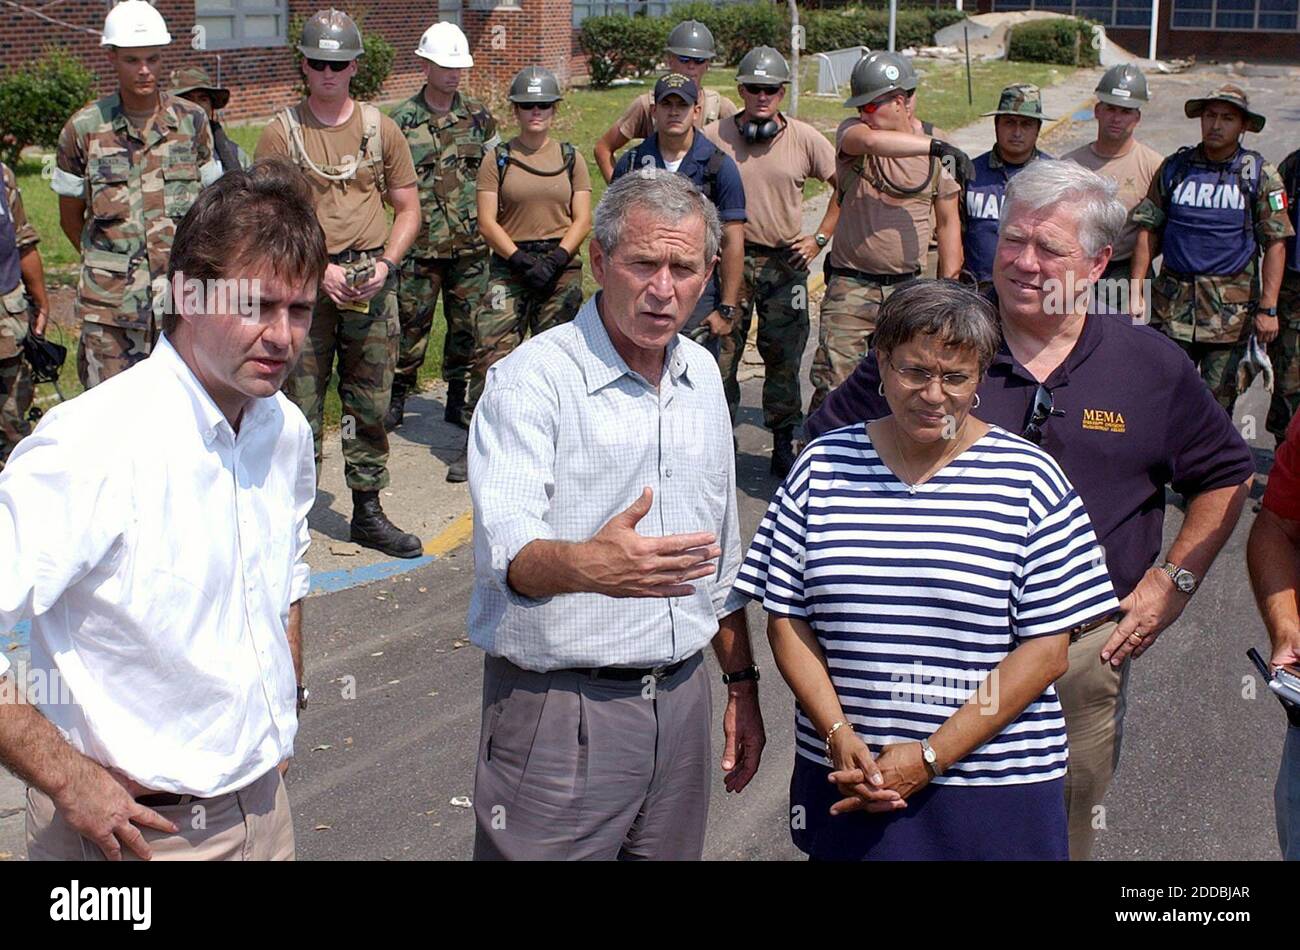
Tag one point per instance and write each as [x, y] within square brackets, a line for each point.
[1125, 413]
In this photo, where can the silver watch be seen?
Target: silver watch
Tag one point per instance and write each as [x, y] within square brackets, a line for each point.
[931, 759]
[1183, 579]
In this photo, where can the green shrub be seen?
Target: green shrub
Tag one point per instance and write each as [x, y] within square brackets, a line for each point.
[622, 45]
[854, 26]
[945, 16]
[1065, 41]
[372, 68]
[37, 98]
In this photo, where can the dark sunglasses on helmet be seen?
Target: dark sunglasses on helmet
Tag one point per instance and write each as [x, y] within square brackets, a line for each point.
[320, 65]
[754, 89]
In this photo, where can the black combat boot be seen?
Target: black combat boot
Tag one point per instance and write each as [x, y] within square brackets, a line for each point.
[396, 408]
[372, 529]
[782, 451]
[458, 470]
[455, 404]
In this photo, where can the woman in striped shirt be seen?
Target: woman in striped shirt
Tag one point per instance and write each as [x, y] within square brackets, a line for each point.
[923, 574]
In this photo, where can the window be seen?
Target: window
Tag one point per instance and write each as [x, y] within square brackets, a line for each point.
[1265, 15]
[449, 11]
[1125, 13]
[585, 8]
[238, 24]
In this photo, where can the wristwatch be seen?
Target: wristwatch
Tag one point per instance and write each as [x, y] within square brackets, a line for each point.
[931, 759]
[821, 239]
[392, 268]
[303, 694]
[1267, 311]
[748, 673]
[1184, 580]
[727, 311]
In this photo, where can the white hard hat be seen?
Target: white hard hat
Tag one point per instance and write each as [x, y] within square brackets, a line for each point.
[134, 23]
[445, 44]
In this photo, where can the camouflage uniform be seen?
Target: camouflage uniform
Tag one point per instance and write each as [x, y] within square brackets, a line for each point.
[1284, 352]
[847, 320]
[363, 342]
[366, 344]
[449, 255]
[1209, 315]
[136, 187]
[17, 236]
[511, 309]
[777, 287]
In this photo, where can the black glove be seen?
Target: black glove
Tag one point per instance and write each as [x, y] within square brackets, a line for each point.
[522, 261]
[956, 162]
[543, 273]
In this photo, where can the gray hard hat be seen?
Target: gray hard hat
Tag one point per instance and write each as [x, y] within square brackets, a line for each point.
[910, 79]
[1123, 85]
[331, 35]
[763, 66]
[874, 76]
[534, 84]
[692, 38]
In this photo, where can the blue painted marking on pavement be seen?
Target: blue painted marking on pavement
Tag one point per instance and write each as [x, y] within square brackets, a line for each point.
[20, 635]
[1083, 115]
[330, 582]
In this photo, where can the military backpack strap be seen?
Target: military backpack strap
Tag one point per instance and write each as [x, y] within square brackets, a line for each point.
[711, 169]
[372, 143]
[298, 149]
[503, 162]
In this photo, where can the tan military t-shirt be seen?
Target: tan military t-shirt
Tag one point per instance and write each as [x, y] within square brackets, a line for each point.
[1133, 172]
[638, 122]
[773, 174]
[878, 231]
[351, 212]
[534, 207]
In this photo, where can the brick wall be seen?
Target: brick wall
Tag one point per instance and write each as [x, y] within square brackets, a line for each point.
[263, 80]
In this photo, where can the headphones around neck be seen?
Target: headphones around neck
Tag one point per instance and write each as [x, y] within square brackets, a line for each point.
[753, 131]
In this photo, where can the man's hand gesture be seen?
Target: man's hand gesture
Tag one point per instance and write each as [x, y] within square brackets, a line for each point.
[622, 563]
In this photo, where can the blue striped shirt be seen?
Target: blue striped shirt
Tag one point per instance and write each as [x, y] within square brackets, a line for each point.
[917, 593]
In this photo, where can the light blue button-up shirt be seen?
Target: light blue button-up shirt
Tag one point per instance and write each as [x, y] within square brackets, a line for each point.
[565, 437]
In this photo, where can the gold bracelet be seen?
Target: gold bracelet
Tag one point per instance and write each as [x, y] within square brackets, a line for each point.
[835, 727]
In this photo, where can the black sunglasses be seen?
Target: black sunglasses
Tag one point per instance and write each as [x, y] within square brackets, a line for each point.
[320, 65]
[755, 90]
[693, 60]
[1039, 414]
[542, 106]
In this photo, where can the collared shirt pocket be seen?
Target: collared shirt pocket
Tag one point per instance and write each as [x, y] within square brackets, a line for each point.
[110, 191]
[181, 186]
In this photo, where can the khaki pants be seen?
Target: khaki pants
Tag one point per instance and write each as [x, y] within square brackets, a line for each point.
[1092, 697]
[252, 824]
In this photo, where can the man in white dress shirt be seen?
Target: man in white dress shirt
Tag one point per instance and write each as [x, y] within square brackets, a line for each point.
[155, 529]
[605, 545]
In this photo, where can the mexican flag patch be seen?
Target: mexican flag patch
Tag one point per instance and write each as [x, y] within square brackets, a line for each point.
[1277, 200]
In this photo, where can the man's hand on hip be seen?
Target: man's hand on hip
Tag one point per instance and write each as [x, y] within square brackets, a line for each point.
[618, 562]
[101, 806]
[742, 730]
[1154, 604]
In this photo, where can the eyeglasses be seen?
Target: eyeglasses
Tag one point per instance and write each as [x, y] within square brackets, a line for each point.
[693, 60]
[872, 107]
[1042, 411]
[755, 90]
[531, 106]
[320, 65]
[954, 384]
